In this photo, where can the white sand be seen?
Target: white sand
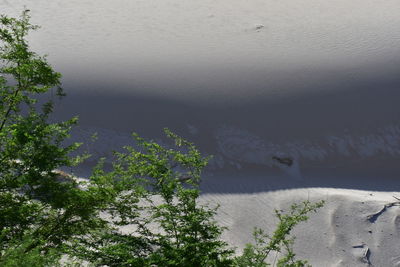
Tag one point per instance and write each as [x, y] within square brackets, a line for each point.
[350, 230]
[209, 51]
[317, 81]
[354, 228]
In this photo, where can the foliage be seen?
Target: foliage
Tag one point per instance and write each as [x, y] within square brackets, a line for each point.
[255, 255]
[157, 195]
[46, 215]
[18, 255]
[34, 199]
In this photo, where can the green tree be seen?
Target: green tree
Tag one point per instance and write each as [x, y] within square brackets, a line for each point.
[34, 200]
[157, 192]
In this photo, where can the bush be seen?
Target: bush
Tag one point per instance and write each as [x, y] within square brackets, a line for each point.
[34, 201]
